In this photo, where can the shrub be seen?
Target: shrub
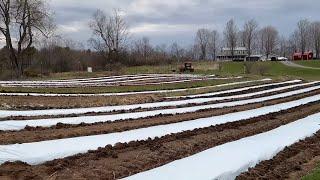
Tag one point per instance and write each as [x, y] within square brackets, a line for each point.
[256, 68]
[31, 73]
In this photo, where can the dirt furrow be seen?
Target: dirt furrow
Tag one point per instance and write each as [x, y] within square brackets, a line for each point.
[31, 134]
[35, 103]
[293, 162]
[125, 159]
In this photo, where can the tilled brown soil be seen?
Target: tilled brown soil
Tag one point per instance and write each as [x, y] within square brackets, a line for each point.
[31, 102]
[293, 162]
[34, 103]
[126, 159]
[31, 134]
[167, 107]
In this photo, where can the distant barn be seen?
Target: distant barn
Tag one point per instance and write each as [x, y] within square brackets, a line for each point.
[303, 56]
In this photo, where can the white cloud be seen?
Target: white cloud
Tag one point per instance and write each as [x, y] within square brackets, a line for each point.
[73, 27]
[151, 7]
[162, 28]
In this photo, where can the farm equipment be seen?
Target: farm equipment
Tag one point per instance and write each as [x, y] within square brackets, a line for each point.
[187, 66]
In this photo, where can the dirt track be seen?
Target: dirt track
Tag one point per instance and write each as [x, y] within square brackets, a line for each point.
[294, 162]
[129, 158]
[30, 134]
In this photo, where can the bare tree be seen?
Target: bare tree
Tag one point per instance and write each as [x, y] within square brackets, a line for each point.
[294, 41]
[303, 34]
[283, 46]
[230, 33]
[250, 33]
[176, 51]
[315, 33]
[213, 44]
[241, 39]
[111, 33]
[142, 48]
[269, 37]
[202, 42]
[20, 22]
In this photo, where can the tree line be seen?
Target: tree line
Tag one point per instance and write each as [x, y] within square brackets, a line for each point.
[33, 48]
[265, 40]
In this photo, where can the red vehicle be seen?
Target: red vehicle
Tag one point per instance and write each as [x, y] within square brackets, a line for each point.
[303, 56]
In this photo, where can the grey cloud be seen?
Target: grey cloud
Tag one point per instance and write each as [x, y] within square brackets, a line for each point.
[193, 14]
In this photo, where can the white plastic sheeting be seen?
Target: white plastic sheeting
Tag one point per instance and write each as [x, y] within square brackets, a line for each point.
[131, 93]
[235, 90]
[8, 113]
[145, 79]
[123, 78]
[39, 152]
[18, 125]
[230, 160]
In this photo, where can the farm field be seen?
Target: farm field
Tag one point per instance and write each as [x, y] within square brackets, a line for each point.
[314, 63]
[274, 70]
[159, 90]
[181, 132]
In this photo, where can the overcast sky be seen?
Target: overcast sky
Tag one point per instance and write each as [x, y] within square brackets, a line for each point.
[166, 21]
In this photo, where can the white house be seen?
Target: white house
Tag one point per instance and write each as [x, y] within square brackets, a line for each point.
[240, 53]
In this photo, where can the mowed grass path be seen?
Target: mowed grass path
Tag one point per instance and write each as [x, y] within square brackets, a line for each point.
[314, 63]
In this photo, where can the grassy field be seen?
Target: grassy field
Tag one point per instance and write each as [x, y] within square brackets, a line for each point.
[277, 69]
[274, 70]
[314, 63]
[315, 175]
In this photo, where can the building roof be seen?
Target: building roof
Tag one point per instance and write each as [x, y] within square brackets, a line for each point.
[256, 55]
[299, 53]
[236, 49]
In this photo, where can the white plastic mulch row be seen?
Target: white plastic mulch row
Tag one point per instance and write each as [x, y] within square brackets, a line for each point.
[39, 152]
[153, 80]
[21, 124]
[229, 160]
[107, 78]
[146, 79]
[70, 82]
[129, 76]
[131, 93]
[8, 113]
[235, 90]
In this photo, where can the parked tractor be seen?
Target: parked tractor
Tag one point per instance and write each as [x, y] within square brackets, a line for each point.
[186, 67]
